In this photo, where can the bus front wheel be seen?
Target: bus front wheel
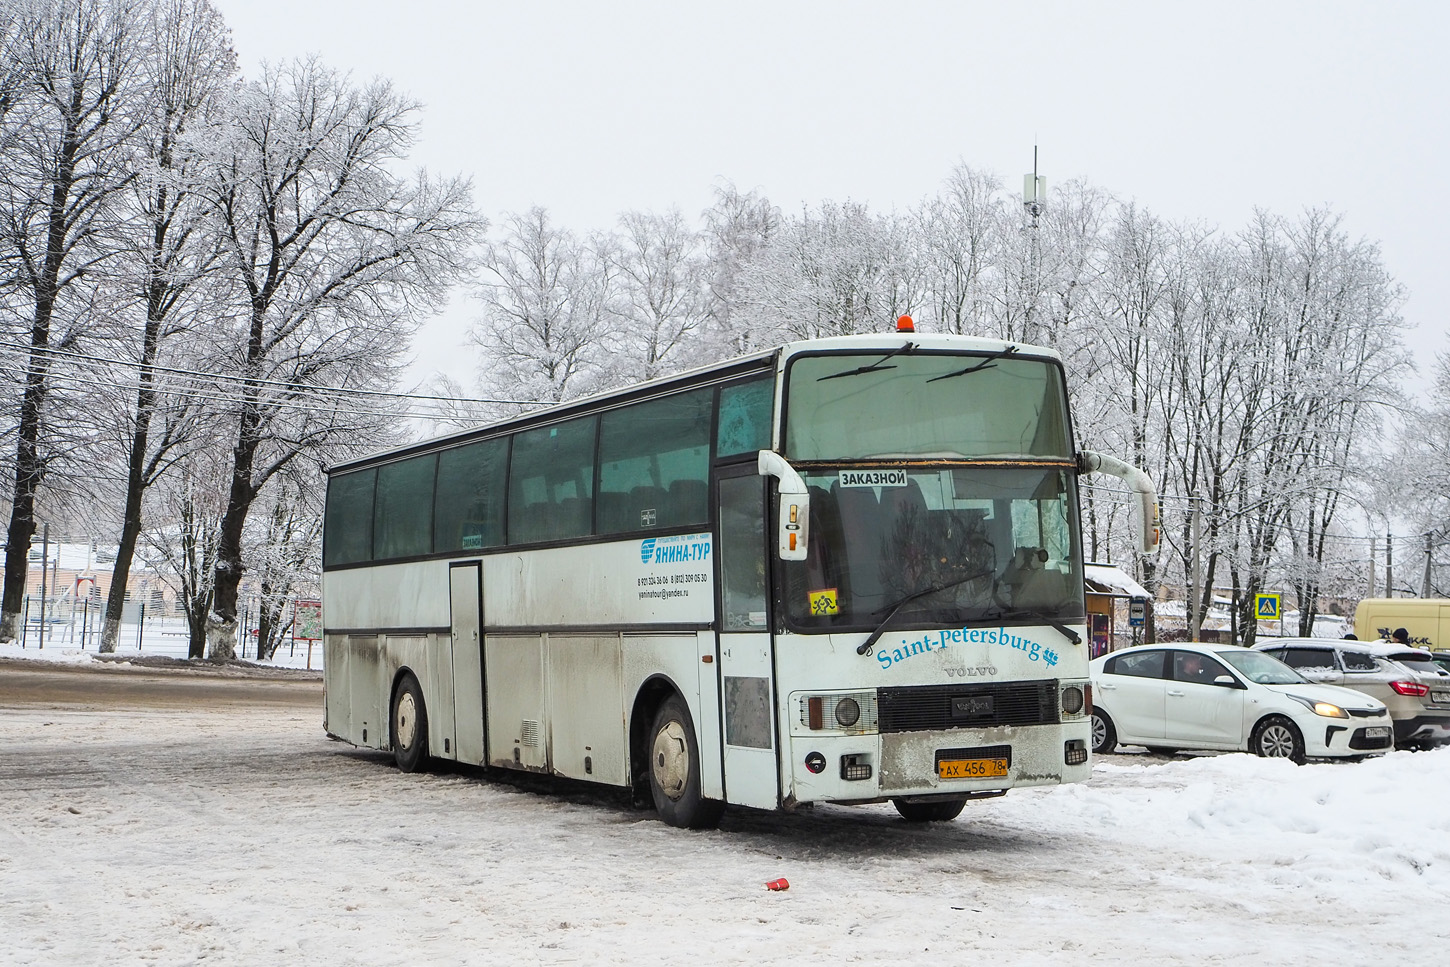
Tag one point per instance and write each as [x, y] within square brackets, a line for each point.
[409, 726]
[674, 770]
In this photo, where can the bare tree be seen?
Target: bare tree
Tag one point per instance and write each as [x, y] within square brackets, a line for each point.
[288, 551]
[171, 240]
[662, 300]
[960, 245]
[193, 502]
[835, 271]
[738, 227]
[68, 120]
[335, 258]
[546, 329]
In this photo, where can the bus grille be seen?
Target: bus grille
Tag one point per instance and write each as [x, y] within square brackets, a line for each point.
[924, 708]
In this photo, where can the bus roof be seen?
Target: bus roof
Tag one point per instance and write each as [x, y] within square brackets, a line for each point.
[767, 360]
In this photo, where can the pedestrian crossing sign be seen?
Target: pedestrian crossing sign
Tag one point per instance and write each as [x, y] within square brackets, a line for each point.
[1266, 606]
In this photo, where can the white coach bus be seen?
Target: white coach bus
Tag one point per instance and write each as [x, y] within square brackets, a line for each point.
[847, 570]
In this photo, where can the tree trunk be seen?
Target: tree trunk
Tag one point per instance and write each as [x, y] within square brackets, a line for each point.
[121, 573]
[221, 631]
[130, 532]
[29, 471]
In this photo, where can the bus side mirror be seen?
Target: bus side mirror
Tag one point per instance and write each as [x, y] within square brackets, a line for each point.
[1144, 493]
[793, 527]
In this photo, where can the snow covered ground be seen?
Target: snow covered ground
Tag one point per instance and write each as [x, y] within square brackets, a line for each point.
[191, 835]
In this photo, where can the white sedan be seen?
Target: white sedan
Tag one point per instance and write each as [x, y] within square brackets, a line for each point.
[1195, 696]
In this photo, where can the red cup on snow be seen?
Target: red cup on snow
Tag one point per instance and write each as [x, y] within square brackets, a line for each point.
[779, 884]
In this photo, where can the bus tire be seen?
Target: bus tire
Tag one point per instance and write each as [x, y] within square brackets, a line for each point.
[941, 811]
[674, 770]
[408, 726]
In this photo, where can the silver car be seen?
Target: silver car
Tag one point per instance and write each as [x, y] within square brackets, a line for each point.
[1407, 680]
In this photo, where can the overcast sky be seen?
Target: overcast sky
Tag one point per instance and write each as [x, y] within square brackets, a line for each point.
[1196, 111]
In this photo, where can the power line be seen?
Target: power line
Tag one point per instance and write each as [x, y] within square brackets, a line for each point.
[253, 380]
[198, 384]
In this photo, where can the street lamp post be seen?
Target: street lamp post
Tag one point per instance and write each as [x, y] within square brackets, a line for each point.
[44, 571]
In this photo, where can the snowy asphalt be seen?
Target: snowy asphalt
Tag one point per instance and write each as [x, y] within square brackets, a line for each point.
[210, 831]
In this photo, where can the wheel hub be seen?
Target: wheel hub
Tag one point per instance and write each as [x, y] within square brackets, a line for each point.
[405, 720]
[670, 760]
[1277, 742]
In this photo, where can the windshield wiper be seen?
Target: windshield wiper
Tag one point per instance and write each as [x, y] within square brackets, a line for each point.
[984, 364]
[1067, 632]
[873, 367]
[875, 636]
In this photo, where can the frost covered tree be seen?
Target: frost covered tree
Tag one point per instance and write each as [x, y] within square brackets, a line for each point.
[192, 501]
[662, 298]
[834, 271]
[68, 117]
[1419, 478]
[547, 330]
[286, 551]
[738, 228]
[960, 251]
[168, 250]
[333, 259]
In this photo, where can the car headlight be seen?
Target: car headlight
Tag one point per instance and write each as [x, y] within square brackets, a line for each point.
[1327, 709]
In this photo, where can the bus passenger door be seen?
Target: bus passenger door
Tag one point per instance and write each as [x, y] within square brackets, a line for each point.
[466, 592]
[747, 672]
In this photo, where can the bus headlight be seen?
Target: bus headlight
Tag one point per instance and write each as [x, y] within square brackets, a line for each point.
[850, 712]
[1073, 700]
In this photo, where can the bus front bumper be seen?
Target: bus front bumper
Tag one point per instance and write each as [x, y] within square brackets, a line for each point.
[864, 768]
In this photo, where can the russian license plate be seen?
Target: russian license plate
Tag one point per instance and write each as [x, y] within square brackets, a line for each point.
[1377, 732]
[1441, 697]
[971, 768]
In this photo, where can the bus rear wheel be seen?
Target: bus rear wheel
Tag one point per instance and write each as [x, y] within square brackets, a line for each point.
[409, 726]
[674, 770]
[940, 811]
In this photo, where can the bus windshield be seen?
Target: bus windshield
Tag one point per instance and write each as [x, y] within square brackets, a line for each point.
[921, 405]
[1000, 543]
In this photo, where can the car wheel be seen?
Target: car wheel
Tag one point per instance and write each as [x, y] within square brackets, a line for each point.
[674, 770]
[1278, 738]
[1105, 736]
[941, 811]
[409, 726]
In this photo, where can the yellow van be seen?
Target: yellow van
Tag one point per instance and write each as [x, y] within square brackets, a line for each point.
[1426, 619]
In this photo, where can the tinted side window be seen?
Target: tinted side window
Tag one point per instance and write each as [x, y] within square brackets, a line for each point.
[469, 512]
[403, 510]
[347, 529]
[1358, 661]
[1189, 666]
[745, 411]
[551, 482]
[1143, 664]
[1308, 658]
[654, 463]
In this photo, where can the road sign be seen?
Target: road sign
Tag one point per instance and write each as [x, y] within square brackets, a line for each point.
[1266, 607]
[1137, 612]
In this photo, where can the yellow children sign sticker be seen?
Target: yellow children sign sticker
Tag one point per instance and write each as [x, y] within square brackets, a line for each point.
[823, 602]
